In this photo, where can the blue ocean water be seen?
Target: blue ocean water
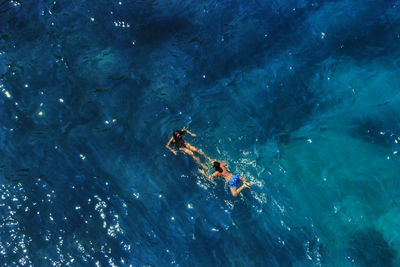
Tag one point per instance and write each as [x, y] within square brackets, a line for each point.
[299, 97]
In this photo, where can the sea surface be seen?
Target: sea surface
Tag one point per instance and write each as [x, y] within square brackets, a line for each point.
[302, 98]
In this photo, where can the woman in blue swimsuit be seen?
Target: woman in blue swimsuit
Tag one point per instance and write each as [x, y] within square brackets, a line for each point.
[231, 179]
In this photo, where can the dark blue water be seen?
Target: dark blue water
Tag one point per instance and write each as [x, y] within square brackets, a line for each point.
[300, 97]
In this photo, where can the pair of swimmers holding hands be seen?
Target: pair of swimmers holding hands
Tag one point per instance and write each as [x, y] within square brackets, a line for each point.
[220, 170]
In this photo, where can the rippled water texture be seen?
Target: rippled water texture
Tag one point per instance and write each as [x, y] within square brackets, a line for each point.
[300, 97]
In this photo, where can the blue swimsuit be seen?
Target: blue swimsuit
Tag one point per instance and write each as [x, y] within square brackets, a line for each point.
[234, 180]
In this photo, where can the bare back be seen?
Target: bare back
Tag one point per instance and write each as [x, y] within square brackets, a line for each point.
[224, 174]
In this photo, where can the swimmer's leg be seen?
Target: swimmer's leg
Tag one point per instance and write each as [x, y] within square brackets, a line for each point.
[244, 181]
[192, 148]
[189, 152]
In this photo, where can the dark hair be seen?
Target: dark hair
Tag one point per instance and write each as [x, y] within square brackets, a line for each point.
[217, 166]
[176, 132]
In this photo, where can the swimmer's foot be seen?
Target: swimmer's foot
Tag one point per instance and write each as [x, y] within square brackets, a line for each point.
[205, 156]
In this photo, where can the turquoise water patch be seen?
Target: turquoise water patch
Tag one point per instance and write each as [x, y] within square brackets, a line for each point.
[299, 97]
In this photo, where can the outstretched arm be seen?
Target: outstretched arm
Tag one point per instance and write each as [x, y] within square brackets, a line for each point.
[185, 130]
[167, 146]
[205, 175]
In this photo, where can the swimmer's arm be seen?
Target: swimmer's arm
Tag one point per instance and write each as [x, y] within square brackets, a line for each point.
[185, 130]
[167, 146]
[212, 176]
[208, 177]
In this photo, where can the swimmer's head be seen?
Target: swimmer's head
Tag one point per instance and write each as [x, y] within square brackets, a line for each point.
[177, 133]
[217, 166]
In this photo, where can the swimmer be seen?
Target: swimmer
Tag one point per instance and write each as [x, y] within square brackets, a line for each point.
[231, 179]
[185, 147]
